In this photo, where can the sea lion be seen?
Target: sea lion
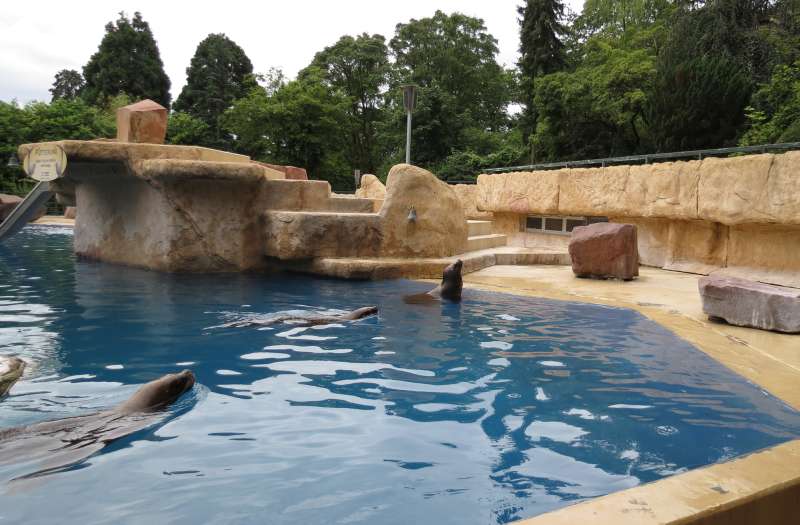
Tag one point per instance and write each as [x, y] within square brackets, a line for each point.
[50, 446]
[11, 369]
[449, 289]
[302, 318]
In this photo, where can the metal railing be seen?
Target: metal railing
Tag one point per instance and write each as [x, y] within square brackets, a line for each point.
[652, 157]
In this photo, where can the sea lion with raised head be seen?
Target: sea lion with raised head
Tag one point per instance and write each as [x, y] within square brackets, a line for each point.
[11, 369]
[302, 318]
[449, 289]
[50, 446]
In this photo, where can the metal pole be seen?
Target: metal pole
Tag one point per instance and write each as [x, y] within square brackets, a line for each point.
[408, 138]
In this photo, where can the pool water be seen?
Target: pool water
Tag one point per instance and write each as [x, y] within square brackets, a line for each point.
[499, 408]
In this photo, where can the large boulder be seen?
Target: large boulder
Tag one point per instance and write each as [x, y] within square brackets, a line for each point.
[371, 187]
[142, 122]
[605, 251]
[749, 303]
[7, 205]
[421, 216]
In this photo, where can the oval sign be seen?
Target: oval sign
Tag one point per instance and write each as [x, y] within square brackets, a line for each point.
[45, 162]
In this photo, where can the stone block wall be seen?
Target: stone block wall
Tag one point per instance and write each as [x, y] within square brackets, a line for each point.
[738, 213]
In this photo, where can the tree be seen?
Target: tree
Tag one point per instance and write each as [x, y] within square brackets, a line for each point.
[774, 113]
[127, 61]
[184, 128]
[698, 103]
[541, 50]
[299, 124]
[358, 68]
[39, 122]
[220, 73]
[457, 55]
[67, 85]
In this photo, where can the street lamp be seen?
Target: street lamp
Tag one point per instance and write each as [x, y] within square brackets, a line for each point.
[409, 102]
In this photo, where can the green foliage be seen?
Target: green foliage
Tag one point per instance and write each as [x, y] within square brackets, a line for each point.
[357, 68]
[38, 122]
[597, 109]
[67, 85]
[541, 51]
[299, 125]
[698, 103]
[774, 113]
[455, 55]
[186, 129]
[220, 73]
[127, 61]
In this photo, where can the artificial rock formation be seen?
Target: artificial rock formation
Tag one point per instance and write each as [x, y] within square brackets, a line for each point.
[741, 214]
[604, 251]
[743, 302]
[142, 122]
[467, 194]
[183, 208]
[438, 227]
[7, 205]
[371, 187]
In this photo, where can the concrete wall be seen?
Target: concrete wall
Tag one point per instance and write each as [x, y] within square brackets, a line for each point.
[739, 213]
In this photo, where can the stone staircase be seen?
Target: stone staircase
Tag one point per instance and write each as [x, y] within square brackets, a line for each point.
[480, 236]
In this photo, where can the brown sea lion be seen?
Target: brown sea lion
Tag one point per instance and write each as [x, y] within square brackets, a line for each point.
[303, 318]
[11, 369]
[449, 289]
[50, 446]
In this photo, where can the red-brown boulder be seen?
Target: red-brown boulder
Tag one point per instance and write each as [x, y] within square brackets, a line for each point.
[291, 172]
[142, 122]
[605, 251]
[749, 303]
[7, 205]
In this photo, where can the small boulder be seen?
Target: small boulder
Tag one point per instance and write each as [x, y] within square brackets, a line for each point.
[7, 205]
[291, 172]
[142, 122]
[749, 303]
[371, 187]
[605, 250]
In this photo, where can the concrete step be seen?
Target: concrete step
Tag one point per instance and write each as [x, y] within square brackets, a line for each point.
[483, 242]
[350, 205]
[476, 228]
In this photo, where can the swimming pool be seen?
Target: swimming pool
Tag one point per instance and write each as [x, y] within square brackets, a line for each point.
[497, 409]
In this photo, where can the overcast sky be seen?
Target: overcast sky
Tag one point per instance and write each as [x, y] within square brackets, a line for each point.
[39, 38]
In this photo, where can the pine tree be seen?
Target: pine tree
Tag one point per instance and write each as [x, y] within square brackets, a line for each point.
[220, 73]
[67, 85]
[541, 50]
[127, 61]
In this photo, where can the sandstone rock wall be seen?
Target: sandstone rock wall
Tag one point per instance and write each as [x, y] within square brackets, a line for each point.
[739, 214]
[735, 190]
[467, 194]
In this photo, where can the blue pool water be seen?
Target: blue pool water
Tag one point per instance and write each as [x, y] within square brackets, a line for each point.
[493, 410]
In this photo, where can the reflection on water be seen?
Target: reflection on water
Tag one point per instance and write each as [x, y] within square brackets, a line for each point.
[492, 410]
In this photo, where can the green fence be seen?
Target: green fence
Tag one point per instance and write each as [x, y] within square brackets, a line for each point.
[653, 157]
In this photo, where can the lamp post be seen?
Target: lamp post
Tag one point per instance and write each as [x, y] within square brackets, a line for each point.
[409, 102]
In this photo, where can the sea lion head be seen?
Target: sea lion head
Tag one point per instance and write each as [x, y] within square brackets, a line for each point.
[160, 393]
[451, 281]
[363, 312]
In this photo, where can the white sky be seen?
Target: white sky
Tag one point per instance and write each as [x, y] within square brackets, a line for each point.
[39, 38]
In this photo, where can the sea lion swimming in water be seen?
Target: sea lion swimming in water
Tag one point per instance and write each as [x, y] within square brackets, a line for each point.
[449, 289]
[301, 318]
[11, 369]
[54, 445]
